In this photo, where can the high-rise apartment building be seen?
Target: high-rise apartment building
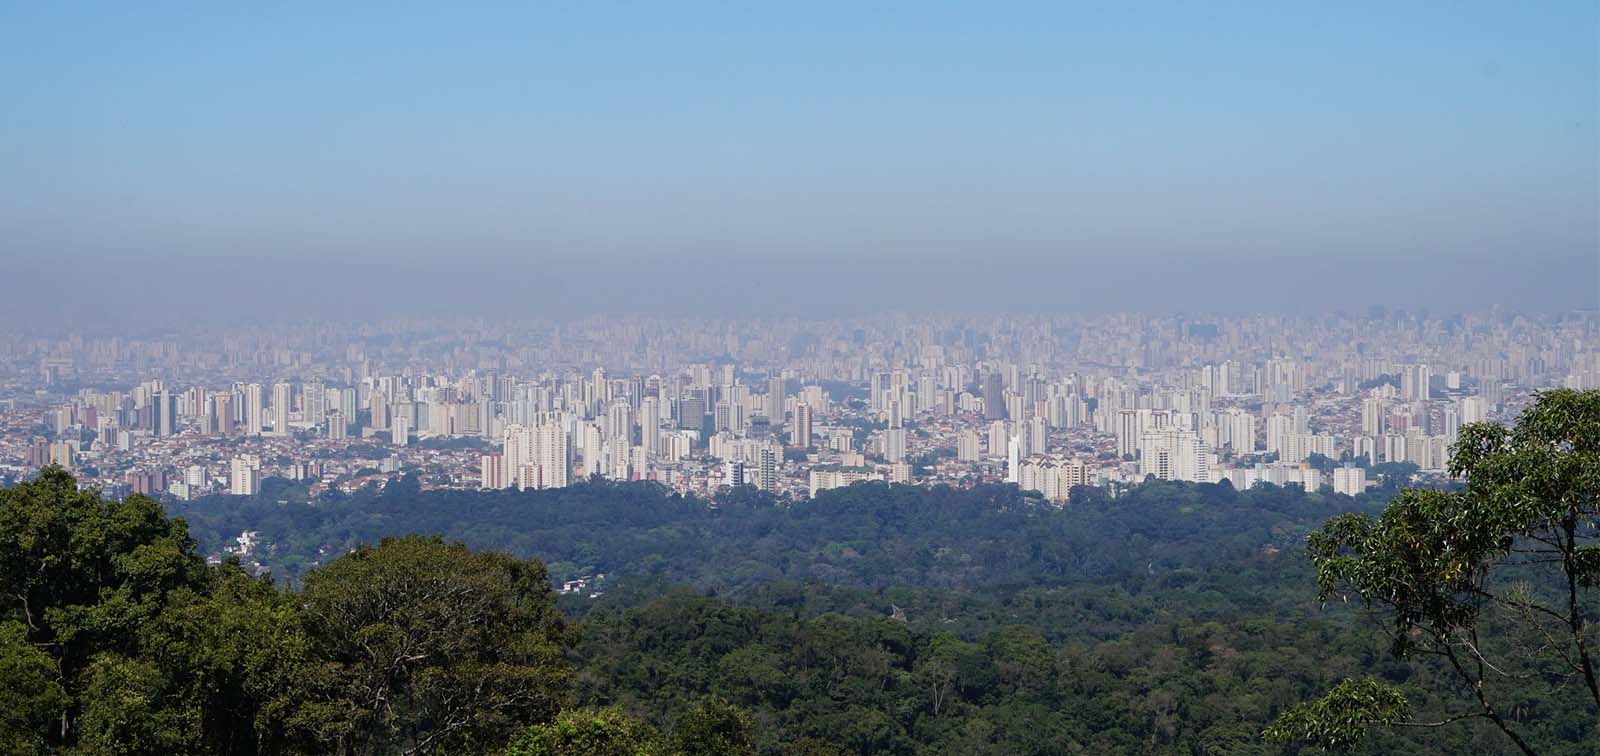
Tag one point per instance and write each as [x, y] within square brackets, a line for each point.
[282, 398]
[800, 433]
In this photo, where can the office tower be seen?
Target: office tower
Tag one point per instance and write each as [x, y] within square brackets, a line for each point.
[253, 410]
[692, 413]
[800, 435]
[774, 407]
[994, 398]
[282, 397]
[165, 413]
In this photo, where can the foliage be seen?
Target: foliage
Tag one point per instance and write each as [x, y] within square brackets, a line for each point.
[430, 648]
[85, 577]
[876, 619]
[1495, 580]
[117, 637]
[872, 535]
[1341, 717]
[31, 699]
[587, 732]
[711, 727]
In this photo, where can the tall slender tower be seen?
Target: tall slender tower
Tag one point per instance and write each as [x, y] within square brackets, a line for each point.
[800, 432]
[281, 397]
[252, 409]
[775, 404]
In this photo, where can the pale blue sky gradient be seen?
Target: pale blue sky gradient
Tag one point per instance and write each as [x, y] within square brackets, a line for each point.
[1058, 155]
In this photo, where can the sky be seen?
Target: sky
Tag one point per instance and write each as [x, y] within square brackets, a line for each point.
[274, 160]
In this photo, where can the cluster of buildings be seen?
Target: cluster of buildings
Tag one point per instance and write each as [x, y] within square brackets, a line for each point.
[793, 407]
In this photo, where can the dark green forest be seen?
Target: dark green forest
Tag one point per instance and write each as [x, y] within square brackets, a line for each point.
[1173, 619]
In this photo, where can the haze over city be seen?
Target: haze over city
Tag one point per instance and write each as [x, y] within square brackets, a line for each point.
[189, 160]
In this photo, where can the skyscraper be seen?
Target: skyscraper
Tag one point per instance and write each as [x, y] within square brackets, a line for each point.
[894, 444]
[282, 396]
[994, 397]
[769, 458]
[313, 403]
[222, 414]
[800, 433]
[775, 395]
[1372, 416]
[165, 414]
[650, 425]
[253, 409]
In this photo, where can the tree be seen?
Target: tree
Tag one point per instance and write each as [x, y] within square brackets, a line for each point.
[31, 699]
[1322, 462]
[86, 577]
[587, 732]
[1495, 582]
[431, 648]
[711, 727]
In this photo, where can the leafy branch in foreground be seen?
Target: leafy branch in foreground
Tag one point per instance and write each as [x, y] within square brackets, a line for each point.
[1494, 582]
[1342, 716]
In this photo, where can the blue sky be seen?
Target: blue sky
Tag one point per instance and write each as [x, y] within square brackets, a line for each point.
[1169, 147]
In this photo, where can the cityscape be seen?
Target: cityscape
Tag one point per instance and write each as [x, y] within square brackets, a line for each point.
[800, 379]
[789, 407]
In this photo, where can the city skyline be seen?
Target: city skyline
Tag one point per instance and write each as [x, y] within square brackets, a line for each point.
[787, 406]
